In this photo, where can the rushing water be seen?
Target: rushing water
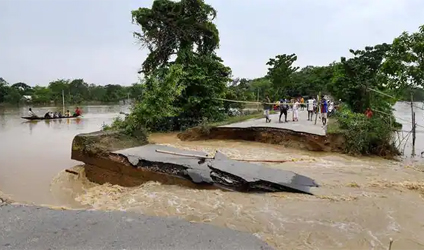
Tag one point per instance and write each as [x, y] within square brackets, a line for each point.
[361, 204]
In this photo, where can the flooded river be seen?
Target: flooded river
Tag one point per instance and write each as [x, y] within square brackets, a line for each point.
[362, 203]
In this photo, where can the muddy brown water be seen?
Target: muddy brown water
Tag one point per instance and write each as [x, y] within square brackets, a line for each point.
[362, 203]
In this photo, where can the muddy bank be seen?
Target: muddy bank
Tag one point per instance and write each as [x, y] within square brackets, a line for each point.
[136, 165]
[289, 138]
[94, 149]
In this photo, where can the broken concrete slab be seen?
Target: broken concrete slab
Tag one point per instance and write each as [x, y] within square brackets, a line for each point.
[220, 171]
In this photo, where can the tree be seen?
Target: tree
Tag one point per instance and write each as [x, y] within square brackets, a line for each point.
[280, 73]
[57, 88]
[42, 95]
[355, 79]
[405, 61]
[311, 80]
[78, 90]
[185, 29]
[157, 107]
[3, 89]
[175, 28]
[22, 88]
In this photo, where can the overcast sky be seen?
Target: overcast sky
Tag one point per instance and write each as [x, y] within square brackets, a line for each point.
[44, 40]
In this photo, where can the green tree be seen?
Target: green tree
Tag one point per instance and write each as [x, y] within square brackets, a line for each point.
[356, 78]
[280, 73]
[405, 62]
[175, 27]
[56, 88]
[157, 107]
[4, 86]
[185, 29]
[41, 95]
[22, 88]
[311, 80]
[78, 90]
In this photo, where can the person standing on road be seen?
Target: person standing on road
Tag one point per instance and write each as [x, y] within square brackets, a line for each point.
[267, 106]
[324, 110]
[283, 109]
[310, 108]
[296, 111]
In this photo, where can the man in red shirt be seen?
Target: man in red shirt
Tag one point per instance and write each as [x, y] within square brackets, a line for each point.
[77, 112]
[368, 113]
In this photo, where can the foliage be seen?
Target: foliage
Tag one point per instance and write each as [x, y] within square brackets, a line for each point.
[405, 61]
[311, 80]
[184, 30]
[75, 91]
[280, 72]
[355, 79]
[366, 135]
[157, 104]
[175, 27]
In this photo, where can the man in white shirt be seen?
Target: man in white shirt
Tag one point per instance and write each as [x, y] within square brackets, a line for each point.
[31, 114]
[310, 108]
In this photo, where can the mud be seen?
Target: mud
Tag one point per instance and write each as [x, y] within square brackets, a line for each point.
[289, 138]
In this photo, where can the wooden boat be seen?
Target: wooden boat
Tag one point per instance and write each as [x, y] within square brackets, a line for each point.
[31, 118]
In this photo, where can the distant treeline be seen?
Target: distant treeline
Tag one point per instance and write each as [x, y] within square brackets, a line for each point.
[75, 91]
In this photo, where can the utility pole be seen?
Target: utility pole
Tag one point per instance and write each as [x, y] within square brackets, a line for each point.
[413, 124]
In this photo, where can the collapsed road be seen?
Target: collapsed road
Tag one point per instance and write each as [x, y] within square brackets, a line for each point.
[220, 170]
[147, 163]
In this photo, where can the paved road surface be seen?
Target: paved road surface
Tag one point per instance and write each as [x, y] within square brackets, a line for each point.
[303, 125]
[34, 228]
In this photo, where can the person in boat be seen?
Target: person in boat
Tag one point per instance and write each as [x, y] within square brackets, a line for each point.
[48, 115]
[31, 114]
[56, 115]
[59, 114]
[77, 112]
[67, 113]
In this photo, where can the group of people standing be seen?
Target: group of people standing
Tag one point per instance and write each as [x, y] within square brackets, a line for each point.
[284, 105]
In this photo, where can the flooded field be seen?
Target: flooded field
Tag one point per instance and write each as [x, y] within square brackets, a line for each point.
[361, 204]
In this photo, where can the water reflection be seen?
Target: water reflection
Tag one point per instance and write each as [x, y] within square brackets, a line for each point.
[33, 152]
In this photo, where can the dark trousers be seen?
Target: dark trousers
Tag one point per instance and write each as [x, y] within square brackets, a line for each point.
[283, 111]
[310, 115]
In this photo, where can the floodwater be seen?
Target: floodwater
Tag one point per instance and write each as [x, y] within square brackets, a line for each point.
[362, 203]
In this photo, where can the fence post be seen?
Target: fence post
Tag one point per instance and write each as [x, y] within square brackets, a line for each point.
[413, 125]
[318, 107]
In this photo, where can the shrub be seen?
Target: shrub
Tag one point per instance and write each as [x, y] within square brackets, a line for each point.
[366, 135]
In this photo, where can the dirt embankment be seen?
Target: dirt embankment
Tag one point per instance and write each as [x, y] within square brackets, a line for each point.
[294, 139]
[103, 166]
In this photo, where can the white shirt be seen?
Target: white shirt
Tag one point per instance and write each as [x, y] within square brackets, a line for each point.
[30, 113]
[296, 105]
[310, 105]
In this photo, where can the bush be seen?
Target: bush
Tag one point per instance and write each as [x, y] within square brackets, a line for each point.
[366, 136]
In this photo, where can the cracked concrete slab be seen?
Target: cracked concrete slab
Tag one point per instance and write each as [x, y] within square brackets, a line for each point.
[220, 171]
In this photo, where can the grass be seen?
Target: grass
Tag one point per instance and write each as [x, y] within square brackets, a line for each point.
[241, 118]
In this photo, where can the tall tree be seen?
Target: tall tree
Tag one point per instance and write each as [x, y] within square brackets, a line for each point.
[280, 72]
[175, 28]
[356, 78]
[405, 61]
[185, 29]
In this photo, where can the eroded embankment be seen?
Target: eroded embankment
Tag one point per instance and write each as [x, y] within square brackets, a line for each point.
[94, 149]
[136, 165]
[290, 138]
